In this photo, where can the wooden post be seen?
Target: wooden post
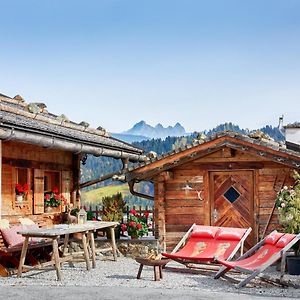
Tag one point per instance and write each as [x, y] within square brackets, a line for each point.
[0, 179]
[76, 181]
[160, 217]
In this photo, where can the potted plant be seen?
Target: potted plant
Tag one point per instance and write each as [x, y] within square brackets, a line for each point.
[136, 225]
[21, 192]
[113, 207]
[53, 199]
[288, 204]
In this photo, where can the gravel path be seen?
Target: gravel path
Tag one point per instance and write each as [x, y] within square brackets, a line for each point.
[112, 276]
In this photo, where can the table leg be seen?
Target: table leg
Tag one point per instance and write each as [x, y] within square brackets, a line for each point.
[113, 242]
[140, 271]
[23, 255]
[93, 250]
[85, 251]
[66, 242]
[56, 258]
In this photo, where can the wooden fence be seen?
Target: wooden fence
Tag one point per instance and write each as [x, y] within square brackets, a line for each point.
[97, 212]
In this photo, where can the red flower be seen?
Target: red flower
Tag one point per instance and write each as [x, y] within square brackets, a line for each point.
[146, 214]
[123, 227]
[133, 212]
[47, 197]
[21, 189]
[55, 189]
[25, 188]
[139, 226]
[94, 219]
[131, 224]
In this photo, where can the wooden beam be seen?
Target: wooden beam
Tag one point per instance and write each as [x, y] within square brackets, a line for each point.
[24, 163]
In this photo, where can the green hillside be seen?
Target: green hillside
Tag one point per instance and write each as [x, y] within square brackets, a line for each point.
[95, 196]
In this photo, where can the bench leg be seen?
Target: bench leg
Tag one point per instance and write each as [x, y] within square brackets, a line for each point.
[140, 271]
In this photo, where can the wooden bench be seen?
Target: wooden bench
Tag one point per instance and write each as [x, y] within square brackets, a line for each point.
[10, 256]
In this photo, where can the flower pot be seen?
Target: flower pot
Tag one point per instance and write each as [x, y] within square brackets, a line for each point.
[19, 198]
[134, 237]
[48, 209]
[293, 265]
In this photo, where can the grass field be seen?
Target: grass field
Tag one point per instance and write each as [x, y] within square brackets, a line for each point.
[95, 196]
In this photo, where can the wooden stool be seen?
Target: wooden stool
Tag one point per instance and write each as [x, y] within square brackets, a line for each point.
[156, 264]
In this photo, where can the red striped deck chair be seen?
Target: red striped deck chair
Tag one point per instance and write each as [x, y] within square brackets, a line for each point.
[208, 243]
[260, 257]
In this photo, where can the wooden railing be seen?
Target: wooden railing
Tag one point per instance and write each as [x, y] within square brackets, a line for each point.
[97, 212]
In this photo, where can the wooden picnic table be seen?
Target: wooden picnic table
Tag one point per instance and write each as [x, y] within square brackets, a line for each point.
[87, 229]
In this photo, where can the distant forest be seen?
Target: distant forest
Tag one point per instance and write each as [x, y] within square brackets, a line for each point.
[95, 167]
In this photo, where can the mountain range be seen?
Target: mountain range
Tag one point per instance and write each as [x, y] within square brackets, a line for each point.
[143, 131]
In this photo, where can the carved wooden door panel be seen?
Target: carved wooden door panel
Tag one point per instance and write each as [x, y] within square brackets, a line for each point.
[232, 203]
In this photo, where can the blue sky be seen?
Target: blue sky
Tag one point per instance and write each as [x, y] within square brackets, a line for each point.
[114, 63]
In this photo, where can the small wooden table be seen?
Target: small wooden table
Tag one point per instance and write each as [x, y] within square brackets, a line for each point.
[87, 229]
[156, 264]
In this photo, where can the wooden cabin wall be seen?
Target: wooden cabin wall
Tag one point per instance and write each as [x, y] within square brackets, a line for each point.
[37, 160]
[176, 209]
[269, 181]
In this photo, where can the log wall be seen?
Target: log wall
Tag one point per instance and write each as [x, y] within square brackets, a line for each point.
[180, 208]
[36, 160]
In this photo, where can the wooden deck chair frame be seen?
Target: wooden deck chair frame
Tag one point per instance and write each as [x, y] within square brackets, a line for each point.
[192, 264]
[252, 274]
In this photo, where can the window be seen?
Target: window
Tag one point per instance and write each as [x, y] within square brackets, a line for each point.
[22, 176]
[51, 180]
[232, 194]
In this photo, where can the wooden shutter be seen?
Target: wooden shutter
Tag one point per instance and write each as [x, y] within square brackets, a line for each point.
[66, 183]
[38, 196]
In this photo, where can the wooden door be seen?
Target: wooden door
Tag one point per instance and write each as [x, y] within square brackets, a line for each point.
[232, 200]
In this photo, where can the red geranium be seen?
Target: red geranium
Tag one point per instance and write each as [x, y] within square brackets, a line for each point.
[131, 224]
[21, 189]
[123, 227]
[137, 224]
[133, 212]
[55, 189]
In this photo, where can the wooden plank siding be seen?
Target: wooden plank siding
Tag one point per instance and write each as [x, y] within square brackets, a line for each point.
[36, 160]
[176, 209]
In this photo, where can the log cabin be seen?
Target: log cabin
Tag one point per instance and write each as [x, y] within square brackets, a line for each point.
[226, 180]
[42, 150]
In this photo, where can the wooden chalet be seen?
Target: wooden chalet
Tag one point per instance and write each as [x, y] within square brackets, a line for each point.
[44, 150]
[228, 180]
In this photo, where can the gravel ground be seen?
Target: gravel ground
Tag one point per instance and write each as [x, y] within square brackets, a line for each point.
[122, 274]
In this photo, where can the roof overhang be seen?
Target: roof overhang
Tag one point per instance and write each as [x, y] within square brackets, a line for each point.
[148, 170]
[54, 142]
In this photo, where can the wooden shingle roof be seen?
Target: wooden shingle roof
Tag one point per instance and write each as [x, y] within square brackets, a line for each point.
[269, 150]
[32, 123]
